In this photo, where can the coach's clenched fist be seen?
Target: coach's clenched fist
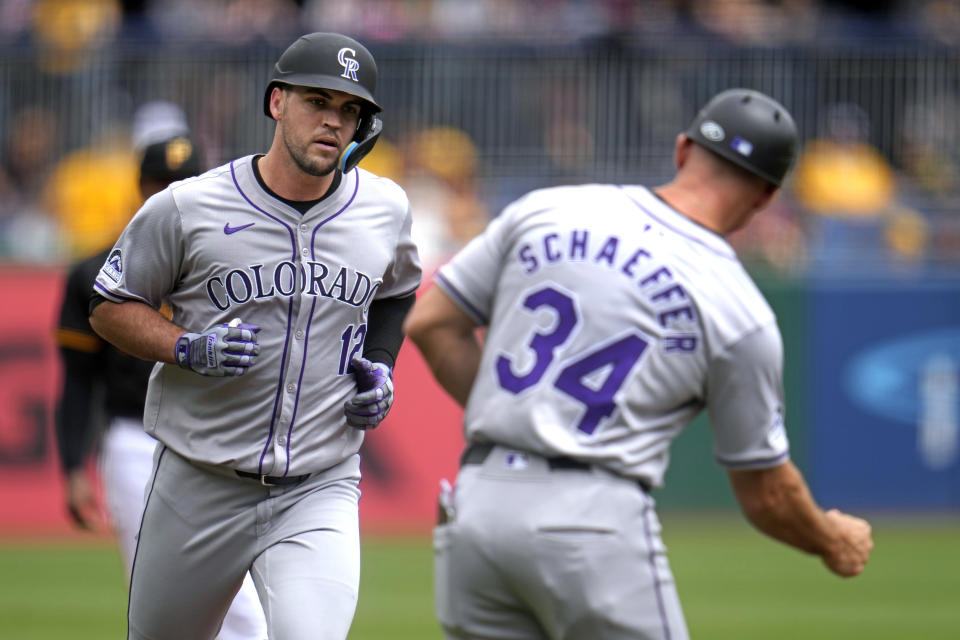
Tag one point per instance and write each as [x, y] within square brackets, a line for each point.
[849, 555]
[224, 350]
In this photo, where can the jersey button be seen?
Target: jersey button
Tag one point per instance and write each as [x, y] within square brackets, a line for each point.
[305, 251]
[299, 334]
[291, 388]
[281, 440]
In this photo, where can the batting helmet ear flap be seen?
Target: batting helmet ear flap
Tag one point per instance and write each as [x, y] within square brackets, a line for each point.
[368, 131]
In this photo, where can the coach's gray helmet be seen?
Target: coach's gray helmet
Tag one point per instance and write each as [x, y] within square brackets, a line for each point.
[327, 61]
[749, 129]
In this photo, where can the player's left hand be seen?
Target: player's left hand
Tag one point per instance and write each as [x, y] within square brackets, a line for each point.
[374, 394]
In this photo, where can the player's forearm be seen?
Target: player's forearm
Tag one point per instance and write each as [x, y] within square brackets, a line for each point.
[446, 336]
[136, 328]
[454, 360]
[778, 502]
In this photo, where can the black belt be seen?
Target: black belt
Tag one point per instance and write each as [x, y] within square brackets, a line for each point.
[477, 453]
[273, 481]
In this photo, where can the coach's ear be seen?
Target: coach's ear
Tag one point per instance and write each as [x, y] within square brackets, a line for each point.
[681, 150]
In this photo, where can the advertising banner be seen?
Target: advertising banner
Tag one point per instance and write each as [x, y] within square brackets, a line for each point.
[871, 377]
[884, 399]
[30, 482]
[403, 459]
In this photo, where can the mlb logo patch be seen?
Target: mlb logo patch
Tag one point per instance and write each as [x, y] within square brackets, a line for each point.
[741, 146]
[113, 267]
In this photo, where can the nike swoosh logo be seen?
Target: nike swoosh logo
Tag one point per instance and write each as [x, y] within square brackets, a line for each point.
[227, 229]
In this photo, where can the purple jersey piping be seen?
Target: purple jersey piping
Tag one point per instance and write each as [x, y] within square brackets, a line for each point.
[459, 298]
[722, 254]
[296, 400]
[136, 548]
[286, 340]
[106, 293]
[657, 583]
[306, 337]
[757, 462]
[356, 187]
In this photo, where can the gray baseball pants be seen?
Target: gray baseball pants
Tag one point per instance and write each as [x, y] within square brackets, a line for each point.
[203, 527]
[536, 553]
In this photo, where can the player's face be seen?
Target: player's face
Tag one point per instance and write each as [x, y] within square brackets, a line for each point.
[316, 125]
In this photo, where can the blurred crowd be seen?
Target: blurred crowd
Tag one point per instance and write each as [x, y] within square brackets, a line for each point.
[775, 22]
[68, 170]
[847, 209]
[54, 210]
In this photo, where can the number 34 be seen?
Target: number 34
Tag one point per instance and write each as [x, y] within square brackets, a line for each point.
[620, 356]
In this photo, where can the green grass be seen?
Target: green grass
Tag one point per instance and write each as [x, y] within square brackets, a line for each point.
[734, 584]
[52, 591]
[396, 592]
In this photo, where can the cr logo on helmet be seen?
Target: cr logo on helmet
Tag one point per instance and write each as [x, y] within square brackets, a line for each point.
[350, 65]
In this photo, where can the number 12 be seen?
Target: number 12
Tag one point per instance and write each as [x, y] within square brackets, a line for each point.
[348, 337]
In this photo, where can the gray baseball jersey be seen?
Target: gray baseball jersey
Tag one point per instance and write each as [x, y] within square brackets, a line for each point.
[219, 247]
[613, 321]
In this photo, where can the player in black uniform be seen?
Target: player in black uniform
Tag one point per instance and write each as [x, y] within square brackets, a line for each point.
[102, 399]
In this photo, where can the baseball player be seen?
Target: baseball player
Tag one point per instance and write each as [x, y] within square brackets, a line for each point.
[614, 314]
[289, 275]
[99, 379]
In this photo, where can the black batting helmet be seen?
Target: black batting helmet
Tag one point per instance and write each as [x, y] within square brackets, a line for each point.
[750, 129]
[340, 63]
[327, 61]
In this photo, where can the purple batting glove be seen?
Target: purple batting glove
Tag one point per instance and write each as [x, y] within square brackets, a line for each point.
[374, 394]
[225, 350]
